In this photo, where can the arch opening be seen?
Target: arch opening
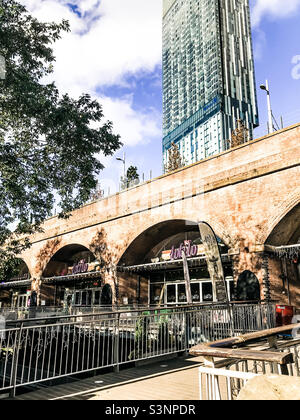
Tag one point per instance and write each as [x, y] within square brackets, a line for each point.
[287, 231]
[15, 289]
[149, 243]
[153, 265]
[72, 279]
[64, 260]
[283, 246]
[248, 287]
[18, 270]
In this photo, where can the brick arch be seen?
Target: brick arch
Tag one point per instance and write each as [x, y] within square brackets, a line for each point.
[147, 227]
[51, 248]
[27, 262]
[285, 207]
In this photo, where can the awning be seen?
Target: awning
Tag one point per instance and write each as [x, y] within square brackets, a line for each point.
[72, 277]
[15, 284]
[167, 265]
[284, 251]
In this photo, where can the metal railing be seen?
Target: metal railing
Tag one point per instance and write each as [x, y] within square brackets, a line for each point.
[228, 368]
[23, 313]
[244, 316]
[212, 389]
[69, 345]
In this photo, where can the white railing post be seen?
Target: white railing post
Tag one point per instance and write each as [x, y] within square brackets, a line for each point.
[213, 375]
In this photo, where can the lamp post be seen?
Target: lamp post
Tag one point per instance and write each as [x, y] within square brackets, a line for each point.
[270, 115]
[124, 163]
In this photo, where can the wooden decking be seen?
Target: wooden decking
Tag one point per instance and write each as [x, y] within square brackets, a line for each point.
[175, 379]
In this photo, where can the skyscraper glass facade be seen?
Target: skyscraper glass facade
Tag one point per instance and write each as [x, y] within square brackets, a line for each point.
[208, 75]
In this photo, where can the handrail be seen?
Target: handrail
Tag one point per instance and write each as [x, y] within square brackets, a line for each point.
[116, 311]
[38, 352]
[225, 348]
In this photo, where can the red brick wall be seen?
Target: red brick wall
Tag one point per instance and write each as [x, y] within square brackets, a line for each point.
[277, 288]
[243, 194]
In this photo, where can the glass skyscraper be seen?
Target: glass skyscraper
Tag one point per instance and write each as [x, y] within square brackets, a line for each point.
[208, 75]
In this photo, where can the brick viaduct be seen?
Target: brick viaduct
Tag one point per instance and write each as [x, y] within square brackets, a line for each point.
[249, 195]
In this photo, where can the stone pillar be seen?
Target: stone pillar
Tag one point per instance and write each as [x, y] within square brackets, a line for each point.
[111, 277]
[36, 287]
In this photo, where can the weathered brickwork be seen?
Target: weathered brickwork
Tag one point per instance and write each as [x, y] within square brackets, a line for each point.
[288, 292]
[243, 194]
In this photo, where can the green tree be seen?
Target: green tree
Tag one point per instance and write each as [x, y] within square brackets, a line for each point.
[132, 178]
[49, 142]
[97, 193]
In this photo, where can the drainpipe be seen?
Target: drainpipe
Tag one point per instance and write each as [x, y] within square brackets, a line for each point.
[266, 278]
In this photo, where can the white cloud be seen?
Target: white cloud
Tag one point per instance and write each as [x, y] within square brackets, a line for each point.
[135, 127]
[259, 44]
[109, 41]
[296, 67]
[276, 9]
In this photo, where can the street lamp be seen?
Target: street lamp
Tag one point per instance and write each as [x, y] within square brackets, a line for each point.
[124, 163]
[270, 115]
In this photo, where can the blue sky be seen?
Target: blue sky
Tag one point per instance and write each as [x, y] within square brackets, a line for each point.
[114, 53]
[277, 55]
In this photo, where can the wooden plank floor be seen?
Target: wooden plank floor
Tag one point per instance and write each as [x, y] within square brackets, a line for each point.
[175, 379]
[176, 385]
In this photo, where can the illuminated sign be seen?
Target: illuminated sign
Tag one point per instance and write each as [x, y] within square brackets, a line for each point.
[187, 247]
[81, 267]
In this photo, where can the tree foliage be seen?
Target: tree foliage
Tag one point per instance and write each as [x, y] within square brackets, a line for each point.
[132, 178]
[97, 193]
[49, 142]
[240, 135]
[175, 160]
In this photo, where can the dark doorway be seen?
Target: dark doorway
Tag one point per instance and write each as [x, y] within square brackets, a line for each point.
[106, 295]
[248, 287]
